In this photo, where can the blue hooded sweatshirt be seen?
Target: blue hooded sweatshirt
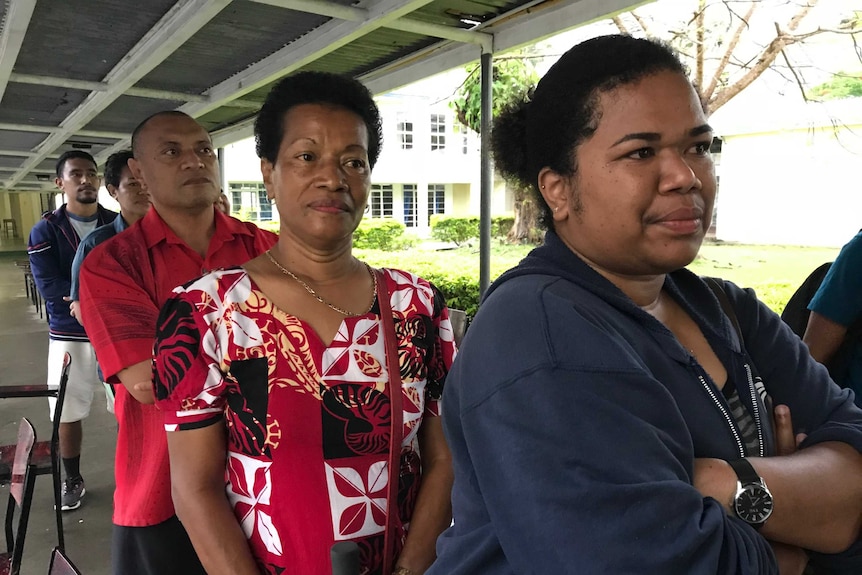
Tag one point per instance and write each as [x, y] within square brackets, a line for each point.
[574, 419]
[52, 246]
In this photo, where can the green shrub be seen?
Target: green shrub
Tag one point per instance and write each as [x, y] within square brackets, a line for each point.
[500, 226]
[386, 235]
[459, 229]
[456, 229]
[461, 292]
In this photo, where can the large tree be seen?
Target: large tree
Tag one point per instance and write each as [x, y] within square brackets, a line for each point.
[513, 76]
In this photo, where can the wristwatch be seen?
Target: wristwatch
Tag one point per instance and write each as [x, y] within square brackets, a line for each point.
[753, 501]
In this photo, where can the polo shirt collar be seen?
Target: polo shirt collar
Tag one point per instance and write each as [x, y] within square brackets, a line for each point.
[155, 229]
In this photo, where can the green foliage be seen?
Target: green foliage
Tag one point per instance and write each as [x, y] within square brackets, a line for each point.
[461, 292]
[512, 79]
[840, 86]
[386, 235]
[500, 226]
[456, 229]
[274, 227]
[774, 272]
[459, 229]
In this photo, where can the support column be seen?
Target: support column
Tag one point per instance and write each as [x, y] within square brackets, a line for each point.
[221, 173]
[486, 174]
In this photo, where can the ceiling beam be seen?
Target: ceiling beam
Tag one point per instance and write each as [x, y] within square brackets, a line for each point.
[104, 87]
[312, 46]
[510, 31]
[18, 16]
[322, 41]
[55, 129]
[231, 134]
[354, 14]
[179, 24]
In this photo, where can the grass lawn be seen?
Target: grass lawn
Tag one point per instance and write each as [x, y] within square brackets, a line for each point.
[773, 271]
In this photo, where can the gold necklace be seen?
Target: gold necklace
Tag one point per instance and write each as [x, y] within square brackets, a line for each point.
[313, 293]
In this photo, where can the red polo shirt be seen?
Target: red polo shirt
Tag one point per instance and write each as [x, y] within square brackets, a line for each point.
[123, 284]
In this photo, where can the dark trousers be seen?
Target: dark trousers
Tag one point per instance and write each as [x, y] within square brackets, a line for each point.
[163, 549]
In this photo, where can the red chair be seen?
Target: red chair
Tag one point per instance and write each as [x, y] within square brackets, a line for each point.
[46, 454]
[20, 496]
[61, 565]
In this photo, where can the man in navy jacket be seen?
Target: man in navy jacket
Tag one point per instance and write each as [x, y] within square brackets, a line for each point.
[52, 245]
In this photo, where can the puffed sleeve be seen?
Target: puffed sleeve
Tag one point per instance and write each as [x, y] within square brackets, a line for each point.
[188, 380]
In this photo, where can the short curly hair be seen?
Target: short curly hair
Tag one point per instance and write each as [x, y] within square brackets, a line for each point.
[315, 88]
[114, 166]
[545, 129]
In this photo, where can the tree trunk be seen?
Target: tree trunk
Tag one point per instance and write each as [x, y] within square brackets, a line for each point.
[525, 229]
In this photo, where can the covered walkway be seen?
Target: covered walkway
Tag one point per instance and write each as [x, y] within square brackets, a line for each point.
[23, 354]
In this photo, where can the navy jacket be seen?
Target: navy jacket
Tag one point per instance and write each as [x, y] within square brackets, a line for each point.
[574, 418]
[52, 246]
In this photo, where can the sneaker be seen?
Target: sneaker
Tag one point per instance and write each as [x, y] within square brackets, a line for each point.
[73, 492]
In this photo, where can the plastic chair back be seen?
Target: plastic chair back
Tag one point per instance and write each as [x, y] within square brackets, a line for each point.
[61, 564]
[20, 496]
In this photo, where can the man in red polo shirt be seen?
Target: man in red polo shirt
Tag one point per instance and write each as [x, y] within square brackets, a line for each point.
[124, 282]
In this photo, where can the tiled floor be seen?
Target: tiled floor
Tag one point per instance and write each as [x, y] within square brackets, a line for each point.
[23, 353]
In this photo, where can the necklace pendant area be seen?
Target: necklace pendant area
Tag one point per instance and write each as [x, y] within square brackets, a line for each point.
[316, 296]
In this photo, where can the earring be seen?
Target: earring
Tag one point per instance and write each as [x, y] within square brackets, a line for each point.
[543, 186]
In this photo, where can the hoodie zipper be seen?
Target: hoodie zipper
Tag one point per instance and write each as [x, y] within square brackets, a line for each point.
[726, 415]
[756, 409]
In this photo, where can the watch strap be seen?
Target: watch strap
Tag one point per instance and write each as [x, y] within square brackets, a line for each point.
[745, 471]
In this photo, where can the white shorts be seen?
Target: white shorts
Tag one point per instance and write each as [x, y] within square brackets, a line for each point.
[83, 379]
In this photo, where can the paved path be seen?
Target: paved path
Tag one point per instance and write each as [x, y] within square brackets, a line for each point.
[23, 354]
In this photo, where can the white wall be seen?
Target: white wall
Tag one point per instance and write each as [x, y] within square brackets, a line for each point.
[797, 187]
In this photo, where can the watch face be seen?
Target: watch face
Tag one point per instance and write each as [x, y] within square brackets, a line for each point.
[753, 504]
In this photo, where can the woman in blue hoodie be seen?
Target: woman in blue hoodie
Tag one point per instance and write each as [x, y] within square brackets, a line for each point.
[609, 412]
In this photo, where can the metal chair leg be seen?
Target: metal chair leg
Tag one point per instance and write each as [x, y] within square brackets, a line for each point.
[58, 502]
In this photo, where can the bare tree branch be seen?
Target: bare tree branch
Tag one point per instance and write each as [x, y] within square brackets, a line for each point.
[621, 26]
[699, 48]
[792, 70]
[731, 47]
[767, 57]
[641, 22]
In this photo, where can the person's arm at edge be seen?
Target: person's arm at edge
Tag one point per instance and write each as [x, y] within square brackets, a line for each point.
[138, 380]
[120, 317]
[433, 511]
[836, 303]
[831, 512]
[82, 251]
[74, 309]
[197, 458]
[823, 336]
[829, 458]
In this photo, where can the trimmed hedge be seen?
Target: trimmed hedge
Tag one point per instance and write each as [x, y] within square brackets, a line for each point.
[461, 292]
[381, 234]
[459, 229]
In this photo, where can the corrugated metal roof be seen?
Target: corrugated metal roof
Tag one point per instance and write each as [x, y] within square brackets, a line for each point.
[88, 71]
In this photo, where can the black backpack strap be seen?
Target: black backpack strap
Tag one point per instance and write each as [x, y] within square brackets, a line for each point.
[716, 287]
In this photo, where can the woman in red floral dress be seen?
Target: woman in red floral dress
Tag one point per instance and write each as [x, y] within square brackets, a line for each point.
[279, 376]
